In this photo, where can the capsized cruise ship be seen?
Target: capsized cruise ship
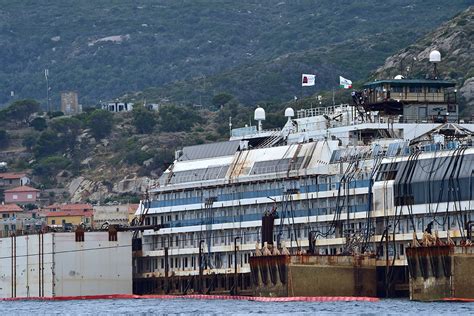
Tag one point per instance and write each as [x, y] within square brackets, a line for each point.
[371, 177]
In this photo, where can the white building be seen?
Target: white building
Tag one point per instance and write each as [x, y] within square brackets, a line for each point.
[117, 107]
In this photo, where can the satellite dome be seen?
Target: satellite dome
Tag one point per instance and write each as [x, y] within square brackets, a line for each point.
[289, 112]
[259, 114]
[398, 77]
[435, 56]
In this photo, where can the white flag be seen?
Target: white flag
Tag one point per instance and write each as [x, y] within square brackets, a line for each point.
[345, 83]
[307, 80]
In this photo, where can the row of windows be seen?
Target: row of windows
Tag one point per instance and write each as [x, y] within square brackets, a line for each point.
[189, 263]
[404, 225]
[243, 191]
[414, 89]
[226, 259]
[246, 235]
[321, 206]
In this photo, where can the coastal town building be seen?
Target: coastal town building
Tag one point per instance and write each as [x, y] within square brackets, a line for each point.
[69, 219]
[117, 107]
[84, 207]
[13, 179]
[112, 214]
[132, 209]
[14, 219]
[22, 195]
[9, 210]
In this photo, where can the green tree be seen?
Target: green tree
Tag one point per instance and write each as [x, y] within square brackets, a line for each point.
[29, 140]
[21, 110]
[48, 143]
[136, 156]
[100, 122]
[143, 120]
[55, 114]
[4, 139]
[49, 166]
[178, 118]
[221, 99]
[38, 123]
[240, 116]
[68, 128]
[163, 158]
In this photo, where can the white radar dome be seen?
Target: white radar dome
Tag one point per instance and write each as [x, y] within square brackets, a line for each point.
[289, 112]
[435, 56]
[259, 114]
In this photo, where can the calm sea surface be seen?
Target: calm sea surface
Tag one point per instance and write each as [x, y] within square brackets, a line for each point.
[214, 307]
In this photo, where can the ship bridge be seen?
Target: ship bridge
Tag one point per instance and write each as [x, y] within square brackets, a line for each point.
[412, 100]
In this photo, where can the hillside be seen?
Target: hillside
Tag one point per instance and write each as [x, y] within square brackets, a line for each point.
[99, 156]
[104, 49]
[454, 39]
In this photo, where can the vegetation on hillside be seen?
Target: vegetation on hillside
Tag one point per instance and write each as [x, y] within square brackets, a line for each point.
[104, 49]
[106, 148]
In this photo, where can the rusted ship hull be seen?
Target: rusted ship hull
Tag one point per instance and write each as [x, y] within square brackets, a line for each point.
[313, 275]
[217, 284]
[441, 272]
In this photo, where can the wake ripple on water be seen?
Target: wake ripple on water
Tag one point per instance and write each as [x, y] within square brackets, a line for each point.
[226, 307]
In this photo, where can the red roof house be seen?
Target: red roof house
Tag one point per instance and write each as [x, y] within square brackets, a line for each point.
[22, 194]
[13, 179]
[81, 207]
[9, 210]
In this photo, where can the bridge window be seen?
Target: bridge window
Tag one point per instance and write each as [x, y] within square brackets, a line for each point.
[416, 89]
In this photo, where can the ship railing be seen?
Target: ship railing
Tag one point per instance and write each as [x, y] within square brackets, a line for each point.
[323, 110]
[251, 130]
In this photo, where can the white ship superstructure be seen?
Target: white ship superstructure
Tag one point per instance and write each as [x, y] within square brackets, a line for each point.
[338, 183]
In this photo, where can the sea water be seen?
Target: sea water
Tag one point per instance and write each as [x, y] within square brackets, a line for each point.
[231, 307]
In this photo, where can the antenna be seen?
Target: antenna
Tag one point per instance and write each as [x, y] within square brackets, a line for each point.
[289, 113]
[259, 116]
[46, 74]
[412, 63]
[435, 58]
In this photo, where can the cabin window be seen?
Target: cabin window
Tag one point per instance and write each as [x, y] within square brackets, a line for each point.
[434, 89]
[397, 89]
[416, 89]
